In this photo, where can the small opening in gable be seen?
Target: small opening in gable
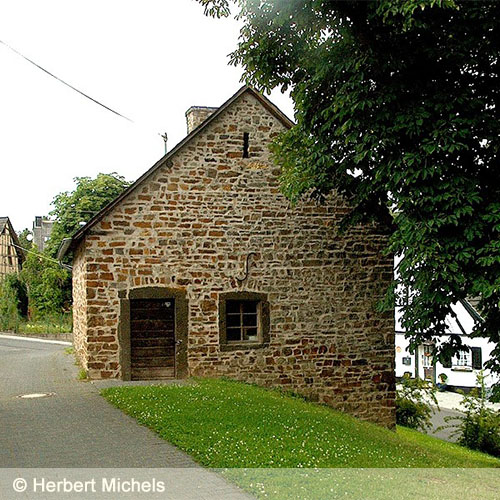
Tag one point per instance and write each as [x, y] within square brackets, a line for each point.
[246, 141]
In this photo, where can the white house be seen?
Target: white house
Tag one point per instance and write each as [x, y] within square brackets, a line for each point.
[463, 368]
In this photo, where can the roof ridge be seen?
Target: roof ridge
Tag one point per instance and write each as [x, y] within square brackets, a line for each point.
[68, 243]
[5, 221]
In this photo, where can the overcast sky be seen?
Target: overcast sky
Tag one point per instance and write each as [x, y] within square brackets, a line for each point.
[149, 60]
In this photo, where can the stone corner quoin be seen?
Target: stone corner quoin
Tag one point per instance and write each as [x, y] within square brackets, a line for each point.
[209, 225]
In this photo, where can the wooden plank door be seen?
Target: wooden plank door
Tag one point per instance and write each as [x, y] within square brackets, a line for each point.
[152, 339]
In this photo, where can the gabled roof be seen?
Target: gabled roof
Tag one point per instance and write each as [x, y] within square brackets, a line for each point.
[461, 320]
[5, 222]
[274, 110]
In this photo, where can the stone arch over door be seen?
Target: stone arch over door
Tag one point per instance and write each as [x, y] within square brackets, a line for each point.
[180, 320]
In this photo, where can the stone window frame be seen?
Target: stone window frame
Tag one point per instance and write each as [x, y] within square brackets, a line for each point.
[263, 319]
[181, 325]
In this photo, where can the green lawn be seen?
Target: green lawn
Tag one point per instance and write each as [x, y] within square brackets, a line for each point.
[44, 327]
[50, 324]
[226, 424]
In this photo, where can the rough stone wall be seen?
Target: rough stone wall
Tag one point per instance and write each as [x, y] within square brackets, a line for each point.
[191, 226]
[80, 343]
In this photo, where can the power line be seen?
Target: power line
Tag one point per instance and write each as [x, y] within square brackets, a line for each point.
[64, 266]
[63, 82]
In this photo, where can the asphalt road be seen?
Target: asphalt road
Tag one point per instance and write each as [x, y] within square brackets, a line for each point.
[75, 427]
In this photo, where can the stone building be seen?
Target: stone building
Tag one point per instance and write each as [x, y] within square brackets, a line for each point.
[203, 268]
[11, 255]
[42, 229]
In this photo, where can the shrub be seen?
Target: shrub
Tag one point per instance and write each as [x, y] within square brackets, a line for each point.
[18, 287]
[442, 385]
[48, 323]
[479, 427]
[413, 398]
[9, 303]
[493, 393]
[49, 287]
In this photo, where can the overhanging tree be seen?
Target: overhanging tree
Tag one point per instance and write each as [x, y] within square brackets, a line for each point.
[397, 108]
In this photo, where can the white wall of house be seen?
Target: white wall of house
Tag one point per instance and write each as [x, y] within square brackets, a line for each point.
[405, 360]
[462, 373]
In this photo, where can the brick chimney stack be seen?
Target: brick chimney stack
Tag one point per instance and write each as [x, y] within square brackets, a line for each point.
[195, 115]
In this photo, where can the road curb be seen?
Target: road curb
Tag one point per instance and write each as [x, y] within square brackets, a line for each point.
[34, 339]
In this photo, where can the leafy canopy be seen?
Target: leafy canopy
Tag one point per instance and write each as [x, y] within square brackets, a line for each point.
[72, 208]
[25, 238]
[397, 108]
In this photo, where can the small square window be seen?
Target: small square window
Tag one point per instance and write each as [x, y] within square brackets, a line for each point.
[243, 319]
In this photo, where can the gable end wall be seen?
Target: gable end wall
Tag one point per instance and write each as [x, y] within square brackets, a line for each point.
[10, 263]
[191, 226]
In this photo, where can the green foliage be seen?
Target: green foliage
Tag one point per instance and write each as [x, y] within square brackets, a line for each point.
[24, 240]
[9, 304]
[397, 110]
[479, 427]
[442, 385]
[231, 424]
[88, 198]
[13, 302]
[48, 285]
[48, 323]
[17, 293]
[413, 399]
[44, 286]
[216, 8]
[494, 396]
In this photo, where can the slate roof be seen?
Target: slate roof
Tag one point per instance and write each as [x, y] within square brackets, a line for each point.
[461, 321]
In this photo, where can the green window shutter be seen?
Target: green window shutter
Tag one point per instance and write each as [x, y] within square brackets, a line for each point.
[477, 359]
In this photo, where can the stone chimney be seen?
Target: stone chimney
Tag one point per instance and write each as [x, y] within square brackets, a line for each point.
[195, 115]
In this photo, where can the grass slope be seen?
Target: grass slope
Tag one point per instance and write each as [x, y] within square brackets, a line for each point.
[224, 423]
